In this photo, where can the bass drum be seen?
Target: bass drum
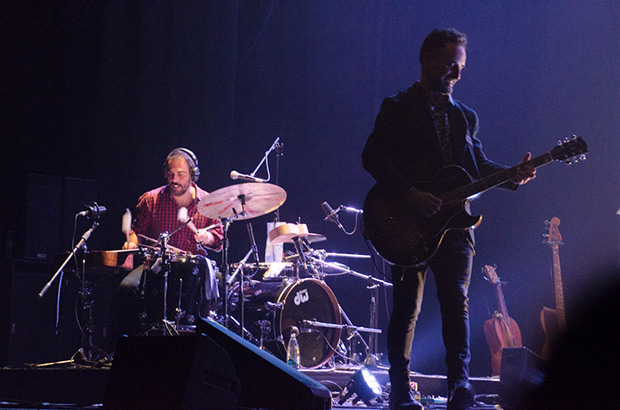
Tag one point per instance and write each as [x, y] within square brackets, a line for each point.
[273, 307]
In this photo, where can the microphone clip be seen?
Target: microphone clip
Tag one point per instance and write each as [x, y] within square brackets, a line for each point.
[93, 210]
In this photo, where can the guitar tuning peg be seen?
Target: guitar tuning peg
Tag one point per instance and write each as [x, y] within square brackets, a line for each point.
[547, 222]
[582, 157]
[545, 235]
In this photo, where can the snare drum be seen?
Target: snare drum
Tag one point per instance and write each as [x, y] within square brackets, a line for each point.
[273, 307]
[191, 292]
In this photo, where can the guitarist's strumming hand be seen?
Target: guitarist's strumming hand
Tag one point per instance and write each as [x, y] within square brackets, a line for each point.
[424, 203]
[525, 172]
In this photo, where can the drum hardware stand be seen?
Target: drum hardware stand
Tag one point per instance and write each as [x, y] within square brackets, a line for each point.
[372, 354]
[373, 348]
[352, 330]
[228, 278]
[231, 280]
[265, 329]
[302, 261]
[168, 327]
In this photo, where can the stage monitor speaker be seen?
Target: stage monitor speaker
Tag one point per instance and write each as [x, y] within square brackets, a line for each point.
[171, 373]
[41, 329]
[266, 381]
[43, 219]
[522, 371]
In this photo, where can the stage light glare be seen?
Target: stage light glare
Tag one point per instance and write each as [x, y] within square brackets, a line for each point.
[364, 385]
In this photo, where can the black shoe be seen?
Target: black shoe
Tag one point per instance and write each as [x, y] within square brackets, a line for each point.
[461, 398]
[404, 402]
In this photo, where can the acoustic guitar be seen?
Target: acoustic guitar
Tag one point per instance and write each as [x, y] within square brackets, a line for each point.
[501, 330]
[553, 321]
[402, 237]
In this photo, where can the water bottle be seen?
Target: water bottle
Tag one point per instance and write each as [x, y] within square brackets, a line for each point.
[292, 350]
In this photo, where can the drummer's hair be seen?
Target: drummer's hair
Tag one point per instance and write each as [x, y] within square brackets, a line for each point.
[188, 156]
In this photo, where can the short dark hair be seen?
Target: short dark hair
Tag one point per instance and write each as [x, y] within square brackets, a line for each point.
[437, 40]
[188, 156]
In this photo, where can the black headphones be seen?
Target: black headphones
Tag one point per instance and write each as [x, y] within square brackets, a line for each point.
[188, 155]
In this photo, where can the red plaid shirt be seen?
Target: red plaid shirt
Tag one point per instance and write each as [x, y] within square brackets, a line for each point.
[156, 212]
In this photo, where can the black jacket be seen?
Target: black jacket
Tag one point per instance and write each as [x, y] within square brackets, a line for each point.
[404, 146]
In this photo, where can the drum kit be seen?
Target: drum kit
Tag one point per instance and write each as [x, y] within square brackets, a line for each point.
[262, 301]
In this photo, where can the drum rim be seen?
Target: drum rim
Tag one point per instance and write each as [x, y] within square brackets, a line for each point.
[286, 290]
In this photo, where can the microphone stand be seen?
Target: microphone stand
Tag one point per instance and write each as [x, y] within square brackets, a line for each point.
[372, 349]
[81, 243]
[84, 354]
[273, 146]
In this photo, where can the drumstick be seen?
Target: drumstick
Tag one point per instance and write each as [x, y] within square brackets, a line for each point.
[174, 249]
[184, 218]
[126, 225]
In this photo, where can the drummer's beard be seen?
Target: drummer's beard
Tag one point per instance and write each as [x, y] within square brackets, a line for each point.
[177, 189]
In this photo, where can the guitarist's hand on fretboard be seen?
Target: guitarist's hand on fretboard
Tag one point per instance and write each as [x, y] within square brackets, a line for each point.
[525, 171]
[423, 203]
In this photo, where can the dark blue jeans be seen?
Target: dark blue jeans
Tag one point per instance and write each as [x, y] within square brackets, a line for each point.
[451, 267]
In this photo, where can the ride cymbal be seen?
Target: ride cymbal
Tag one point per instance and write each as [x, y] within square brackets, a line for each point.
[243, 201]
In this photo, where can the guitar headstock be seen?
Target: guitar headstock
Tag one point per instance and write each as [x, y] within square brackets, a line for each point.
[570, 150]
[490, 274]
[553, 236]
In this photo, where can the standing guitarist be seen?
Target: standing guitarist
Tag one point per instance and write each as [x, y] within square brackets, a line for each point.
[416, 133]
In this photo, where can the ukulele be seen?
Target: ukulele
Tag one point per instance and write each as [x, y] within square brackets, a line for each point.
[401, 237]
[501, 330]
[553, 321]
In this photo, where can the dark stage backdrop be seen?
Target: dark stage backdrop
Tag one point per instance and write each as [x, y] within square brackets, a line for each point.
[104, 90]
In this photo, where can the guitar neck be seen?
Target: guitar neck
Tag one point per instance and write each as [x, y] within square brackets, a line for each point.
[559, 291]
[501, 303]
[493, 180]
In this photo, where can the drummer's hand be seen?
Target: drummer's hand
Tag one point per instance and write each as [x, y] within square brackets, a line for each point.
[205, 237]
[130, 245]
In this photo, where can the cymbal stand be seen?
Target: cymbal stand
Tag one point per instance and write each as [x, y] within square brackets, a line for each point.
[169, 327]
[303, 262]
[231, 280]
[228, 279]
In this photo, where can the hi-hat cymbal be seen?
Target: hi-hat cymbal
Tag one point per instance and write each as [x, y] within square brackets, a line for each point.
[247, 200]
[287, 233]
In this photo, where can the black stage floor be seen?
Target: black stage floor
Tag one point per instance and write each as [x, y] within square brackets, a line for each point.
[71, 387]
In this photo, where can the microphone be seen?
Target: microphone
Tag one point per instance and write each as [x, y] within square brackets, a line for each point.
[253, 242]
[349, 209]
[332, 216]
[93, 210]
[236, 175]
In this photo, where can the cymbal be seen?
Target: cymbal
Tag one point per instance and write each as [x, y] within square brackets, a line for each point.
[245, 201]
[287, 233]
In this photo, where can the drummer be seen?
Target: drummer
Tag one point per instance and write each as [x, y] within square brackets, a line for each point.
[158, 212]
[158, 209]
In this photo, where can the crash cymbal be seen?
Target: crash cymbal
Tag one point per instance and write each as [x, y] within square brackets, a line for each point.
[245, 201]
[288, 232]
